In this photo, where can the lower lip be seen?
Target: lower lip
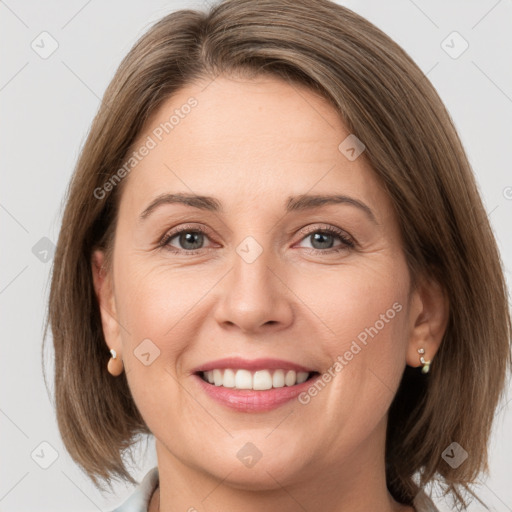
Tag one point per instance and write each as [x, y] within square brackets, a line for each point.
[248, 400]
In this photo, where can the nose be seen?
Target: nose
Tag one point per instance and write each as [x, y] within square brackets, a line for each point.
[254, 297]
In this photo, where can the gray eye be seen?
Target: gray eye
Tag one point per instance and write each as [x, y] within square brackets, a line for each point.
[322, 240]
[190, 239]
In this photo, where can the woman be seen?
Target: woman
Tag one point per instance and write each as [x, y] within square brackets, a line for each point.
[340, 313]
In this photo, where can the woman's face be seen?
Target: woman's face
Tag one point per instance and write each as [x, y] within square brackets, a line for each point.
[262, 282]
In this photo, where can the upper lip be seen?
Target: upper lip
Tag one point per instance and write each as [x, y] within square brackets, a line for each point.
[251, 364]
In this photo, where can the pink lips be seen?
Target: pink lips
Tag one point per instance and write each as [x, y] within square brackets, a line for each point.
[252, 365]
[248, 400]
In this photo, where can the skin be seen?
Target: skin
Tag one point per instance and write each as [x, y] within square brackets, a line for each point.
[251, 143]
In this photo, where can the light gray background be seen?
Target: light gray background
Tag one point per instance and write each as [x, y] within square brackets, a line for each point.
[47, 107]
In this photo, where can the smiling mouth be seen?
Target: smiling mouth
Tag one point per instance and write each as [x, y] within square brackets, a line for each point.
[255, 380]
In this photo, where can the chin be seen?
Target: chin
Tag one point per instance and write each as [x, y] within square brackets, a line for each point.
[261, 477]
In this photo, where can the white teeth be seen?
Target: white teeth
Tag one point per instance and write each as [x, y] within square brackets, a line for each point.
[278, 379]
[262, 380]
[243, 379]
[229, 379]
[302, 377]
[259, 380]
[290, 378]
[217, 377]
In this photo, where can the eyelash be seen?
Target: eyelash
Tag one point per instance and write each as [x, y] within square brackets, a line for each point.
[348, 243]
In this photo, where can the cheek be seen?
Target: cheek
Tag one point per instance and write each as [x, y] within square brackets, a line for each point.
[156, 307]
[362, 312]
[363, 303]
[153, 299]
[154, 311]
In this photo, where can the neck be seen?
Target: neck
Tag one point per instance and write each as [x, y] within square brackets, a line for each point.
[356, 484]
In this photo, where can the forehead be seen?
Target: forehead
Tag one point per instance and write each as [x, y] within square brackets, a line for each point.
[244, 139]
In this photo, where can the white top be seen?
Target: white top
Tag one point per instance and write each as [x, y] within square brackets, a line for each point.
[139, 500]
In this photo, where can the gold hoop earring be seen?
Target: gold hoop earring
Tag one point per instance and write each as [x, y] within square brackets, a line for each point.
[115, 366]
[426, 364]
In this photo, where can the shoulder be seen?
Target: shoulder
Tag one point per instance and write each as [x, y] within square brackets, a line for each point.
[138, 501]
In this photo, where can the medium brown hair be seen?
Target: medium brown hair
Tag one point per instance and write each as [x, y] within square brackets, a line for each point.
[411, 143]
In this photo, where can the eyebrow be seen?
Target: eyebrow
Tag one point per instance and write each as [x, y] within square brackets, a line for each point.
[308, 202]
[298, 203]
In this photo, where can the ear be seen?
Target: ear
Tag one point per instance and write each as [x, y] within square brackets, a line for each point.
[429, 310]
[103, 287]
